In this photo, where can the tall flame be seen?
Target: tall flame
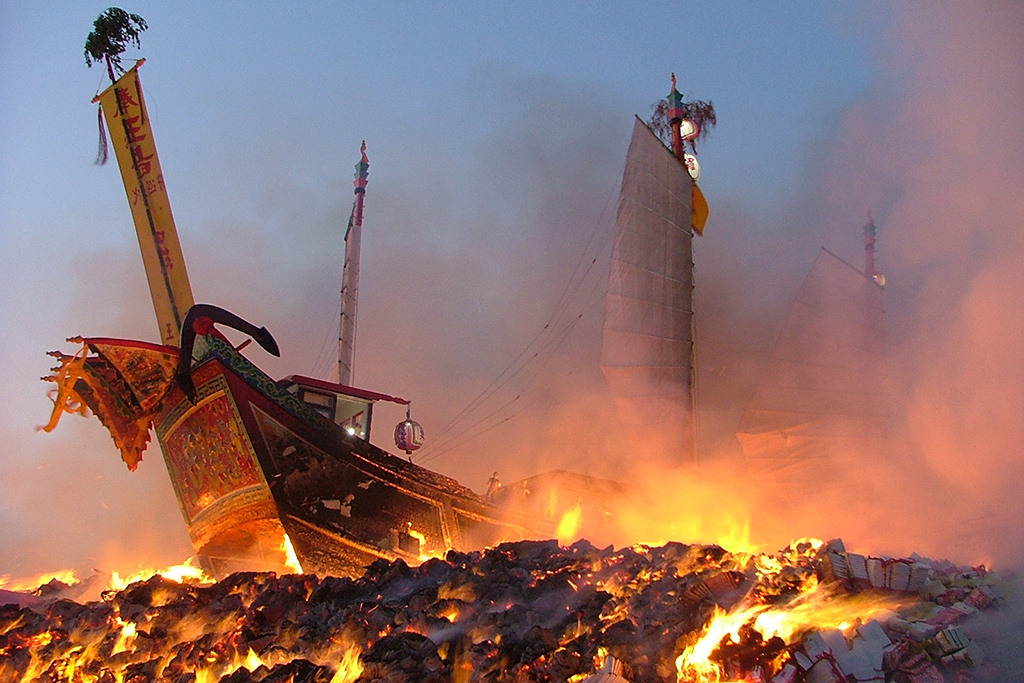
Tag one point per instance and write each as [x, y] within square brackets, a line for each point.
[569, 526]
[291, 559]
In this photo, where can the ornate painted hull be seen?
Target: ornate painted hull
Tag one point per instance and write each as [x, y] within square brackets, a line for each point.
[250, 463]
[253, 466]
[259, 469]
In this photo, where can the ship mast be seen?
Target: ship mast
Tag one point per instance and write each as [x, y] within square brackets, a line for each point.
[676, 115]
[869, 246]
[350, 274]
[869, 251]
[675, 119]
[647, 347]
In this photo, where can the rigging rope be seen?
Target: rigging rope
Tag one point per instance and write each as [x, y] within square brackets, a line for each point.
[326, 357]
[544, 343]
[455, 441]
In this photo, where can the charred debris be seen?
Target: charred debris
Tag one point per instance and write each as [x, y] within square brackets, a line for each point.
[525, 611]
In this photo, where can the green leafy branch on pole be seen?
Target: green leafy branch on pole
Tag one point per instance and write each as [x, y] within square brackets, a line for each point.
[111, 33]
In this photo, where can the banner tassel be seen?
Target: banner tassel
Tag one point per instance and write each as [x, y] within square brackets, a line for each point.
[101, 154]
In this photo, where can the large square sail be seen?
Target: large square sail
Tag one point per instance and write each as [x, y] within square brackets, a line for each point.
[647, 352]
[821, 400]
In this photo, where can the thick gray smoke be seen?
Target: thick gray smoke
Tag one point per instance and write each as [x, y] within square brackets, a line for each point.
[931, 148]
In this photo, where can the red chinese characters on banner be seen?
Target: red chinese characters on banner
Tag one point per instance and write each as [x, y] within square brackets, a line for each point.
[130, 112]
[161, 247]
[143, 161]
[125, 101]
[124, 109]
[133, 126]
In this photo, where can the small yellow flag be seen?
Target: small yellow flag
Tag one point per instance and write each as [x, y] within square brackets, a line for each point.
[700, 211]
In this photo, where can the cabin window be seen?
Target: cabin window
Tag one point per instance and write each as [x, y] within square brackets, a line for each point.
[318, 399]
[321, 403]
[351, 413]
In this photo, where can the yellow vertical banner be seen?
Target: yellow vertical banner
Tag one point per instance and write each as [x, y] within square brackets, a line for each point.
[132, 138]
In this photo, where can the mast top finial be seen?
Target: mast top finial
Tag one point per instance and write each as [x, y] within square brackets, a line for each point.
[362, 170]
[675, 105]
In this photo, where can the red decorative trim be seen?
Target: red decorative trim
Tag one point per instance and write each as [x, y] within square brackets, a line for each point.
[343, 389]
[133, 343]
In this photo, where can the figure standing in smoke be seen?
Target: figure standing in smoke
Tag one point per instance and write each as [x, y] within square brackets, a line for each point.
[493, 486]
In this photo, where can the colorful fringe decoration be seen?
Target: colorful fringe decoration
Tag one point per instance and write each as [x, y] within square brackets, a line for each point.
[123, 384]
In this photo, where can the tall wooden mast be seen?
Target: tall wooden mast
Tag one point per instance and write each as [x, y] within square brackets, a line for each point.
[869, 247]
[350, 274]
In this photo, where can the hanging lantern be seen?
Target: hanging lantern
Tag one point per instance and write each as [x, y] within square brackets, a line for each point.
[691, 165]
[688, 130]
[408, 434]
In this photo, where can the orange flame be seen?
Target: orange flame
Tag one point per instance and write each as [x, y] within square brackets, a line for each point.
[818, 608]
[821, 608]
[291, 559]
[179, 573]
[694, 664]
[126, 639]
[349, 666]
[66, 576]
[569, 526]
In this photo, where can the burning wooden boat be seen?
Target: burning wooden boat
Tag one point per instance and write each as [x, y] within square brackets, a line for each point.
[256, 462]
[253, 460]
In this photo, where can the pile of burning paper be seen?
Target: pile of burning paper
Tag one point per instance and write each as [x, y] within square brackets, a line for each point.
[526, 611]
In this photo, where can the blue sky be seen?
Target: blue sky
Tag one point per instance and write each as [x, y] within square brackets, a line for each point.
[496, 135]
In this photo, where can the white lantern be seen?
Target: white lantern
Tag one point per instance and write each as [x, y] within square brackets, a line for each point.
[408, 435]
[691, 165]
[688, 130]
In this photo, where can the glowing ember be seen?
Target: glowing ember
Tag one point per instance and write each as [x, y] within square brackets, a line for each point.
[530, 610]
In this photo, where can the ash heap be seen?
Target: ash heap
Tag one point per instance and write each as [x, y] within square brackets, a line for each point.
[527, 611]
